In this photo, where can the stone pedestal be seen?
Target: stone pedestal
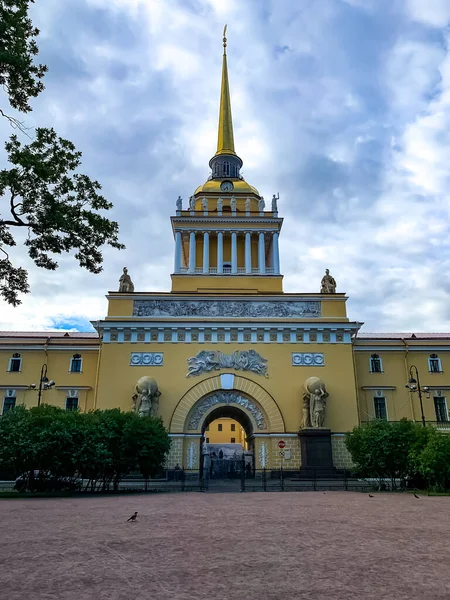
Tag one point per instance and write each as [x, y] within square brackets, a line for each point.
[315, 445]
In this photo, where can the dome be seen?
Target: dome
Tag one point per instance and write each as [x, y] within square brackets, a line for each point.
[212, 186]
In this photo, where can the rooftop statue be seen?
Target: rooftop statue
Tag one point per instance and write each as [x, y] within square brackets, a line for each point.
[125, 283]
[328, 284]
[179, 203]
[274, 203]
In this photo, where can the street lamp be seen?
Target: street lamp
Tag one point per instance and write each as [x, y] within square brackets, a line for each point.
[44, 383]
[414, 386]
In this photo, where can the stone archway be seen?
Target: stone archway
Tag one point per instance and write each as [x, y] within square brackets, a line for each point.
[260, 403]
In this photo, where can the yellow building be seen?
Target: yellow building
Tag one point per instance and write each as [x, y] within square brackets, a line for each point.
[228, 347]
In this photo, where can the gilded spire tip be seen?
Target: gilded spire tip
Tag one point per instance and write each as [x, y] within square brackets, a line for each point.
[225, 39]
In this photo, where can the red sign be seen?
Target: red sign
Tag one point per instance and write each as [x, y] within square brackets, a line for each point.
[281, 444]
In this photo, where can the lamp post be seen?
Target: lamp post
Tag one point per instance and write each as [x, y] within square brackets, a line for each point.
[44, 383]
[414, 386]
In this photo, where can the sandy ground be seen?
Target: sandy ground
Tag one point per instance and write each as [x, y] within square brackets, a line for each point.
[278, 546]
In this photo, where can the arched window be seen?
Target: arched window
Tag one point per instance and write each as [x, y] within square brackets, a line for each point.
[376, 364]
[226, 168]
[434, 364]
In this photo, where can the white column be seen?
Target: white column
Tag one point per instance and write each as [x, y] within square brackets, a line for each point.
[234, 253]
[262, 255]
[177, 266]
[275, 254]
[219, 252]
[192, 252]
[248, 252]
[206, 252]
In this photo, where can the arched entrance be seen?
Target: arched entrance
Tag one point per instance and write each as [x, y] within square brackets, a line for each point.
[223, 460]
[233, 394]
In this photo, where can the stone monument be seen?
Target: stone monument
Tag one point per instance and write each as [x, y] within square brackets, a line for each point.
[315, 439]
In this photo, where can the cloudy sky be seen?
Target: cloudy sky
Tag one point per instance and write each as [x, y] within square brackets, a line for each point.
[341, 106]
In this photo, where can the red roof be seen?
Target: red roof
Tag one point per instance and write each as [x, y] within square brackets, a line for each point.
[49, 334]
[406, 336]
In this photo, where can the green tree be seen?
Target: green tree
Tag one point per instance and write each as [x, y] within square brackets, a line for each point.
[146, 439]
[20, 77]
[42, 192]
[434, 462]
[100, 446]
[385, 449]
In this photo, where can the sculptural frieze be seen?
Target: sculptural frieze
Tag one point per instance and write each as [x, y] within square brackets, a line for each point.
[226, 308]
[221, 397]
[146, 397]
[314, 400]
[328, 283]
[240, 360]
[125, 283]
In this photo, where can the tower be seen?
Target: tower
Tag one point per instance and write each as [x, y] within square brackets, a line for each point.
[225, 240]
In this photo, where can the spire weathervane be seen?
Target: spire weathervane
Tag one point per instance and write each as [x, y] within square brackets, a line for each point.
[225, 39]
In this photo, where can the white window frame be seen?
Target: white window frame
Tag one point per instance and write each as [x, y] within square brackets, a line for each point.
[446, 407]
[8, 395]
[72, 394]
[380, 397]
[81, 365]
[381, 364]
[10, 362]
[439, 363]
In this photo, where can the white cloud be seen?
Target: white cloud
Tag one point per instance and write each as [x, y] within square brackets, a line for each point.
[435, 13]
[347, 116]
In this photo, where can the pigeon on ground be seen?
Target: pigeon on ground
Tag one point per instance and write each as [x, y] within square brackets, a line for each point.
[416, 496]
[370, 496]
[133, 517]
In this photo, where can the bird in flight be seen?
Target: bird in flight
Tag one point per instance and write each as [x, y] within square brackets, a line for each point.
[416, 496]
[370, 496]
[133, 517]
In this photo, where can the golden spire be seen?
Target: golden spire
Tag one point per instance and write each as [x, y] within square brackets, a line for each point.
[225, 139]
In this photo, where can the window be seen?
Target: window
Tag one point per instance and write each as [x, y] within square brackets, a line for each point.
[233, 440]
[72, 403]
[207, 440]
[15, 364]
[434, 364]
[440, 407]
[76, 363]
[9, 401]
[380, 408]
[226, 168]
[233, 427]
[219, 427]
[375, 364]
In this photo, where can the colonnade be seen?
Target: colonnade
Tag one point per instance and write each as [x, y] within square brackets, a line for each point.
[261, 268]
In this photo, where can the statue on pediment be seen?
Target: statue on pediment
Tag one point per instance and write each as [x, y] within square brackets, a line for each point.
[125, 283]
[328, 283]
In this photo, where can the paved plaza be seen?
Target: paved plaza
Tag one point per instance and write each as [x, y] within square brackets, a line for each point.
[256, 546]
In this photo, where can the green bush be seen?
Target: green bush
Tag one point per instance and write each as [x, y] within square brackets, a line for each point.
[392, 450]
[100, 446]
